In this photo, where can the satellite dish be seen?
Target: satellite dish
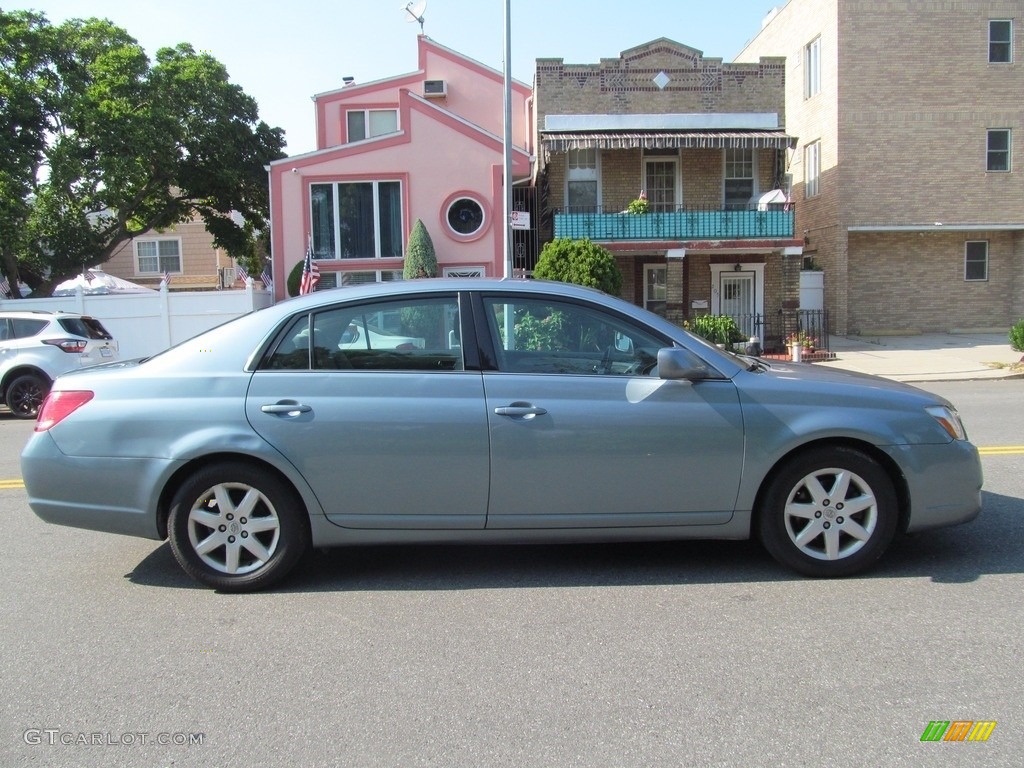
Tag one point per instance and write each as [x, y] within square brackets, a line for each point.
[415, 12]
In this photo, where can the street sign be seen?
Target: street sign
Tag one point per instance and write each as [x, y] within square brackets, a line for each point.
[519, 219]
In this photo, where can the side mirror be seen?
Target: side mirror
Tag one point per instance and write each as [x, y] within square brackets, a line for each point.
[623, 343]
[679, 363]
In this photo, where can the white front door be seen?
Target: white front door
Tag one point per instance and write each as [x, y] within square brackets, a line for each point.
[739, 294]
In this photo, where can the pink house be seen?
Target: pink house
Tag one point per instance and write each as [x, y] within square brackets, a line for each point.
[425, 145]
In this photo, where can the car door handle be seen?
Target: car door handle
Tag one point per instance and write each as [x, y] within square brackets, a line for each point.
[286, 408]
[524, 410]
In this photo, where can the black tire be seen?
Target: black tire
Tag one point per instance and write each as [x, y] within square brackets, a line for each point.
[237, 528]
[25, 395]
[828, 512]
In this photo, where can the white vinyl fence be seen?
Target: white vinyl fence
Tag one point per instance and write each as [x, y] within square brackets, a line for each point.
[147, 323]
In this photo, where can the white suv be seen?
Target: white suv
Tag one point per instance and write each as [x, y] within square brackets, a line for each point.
[36, 347]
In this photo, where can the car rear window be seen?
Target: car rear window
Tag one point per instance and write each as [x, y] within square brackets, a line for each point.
[87, 327]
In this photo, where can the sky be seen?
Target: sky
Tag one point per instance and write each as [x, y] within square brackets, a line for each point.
[282, 53]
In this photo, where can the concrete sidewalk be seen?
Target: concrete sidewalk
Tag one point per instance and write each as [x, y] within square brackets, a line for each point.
[928, 357]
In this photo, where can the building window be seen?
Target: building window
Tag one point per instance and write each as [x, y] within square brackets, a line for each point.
[976, 260]
[581, 180]
[656, 288]
[464, 272]
[367, 123]
[155, 257]
[812, 68]
[660, 183]
[739, 178]
[1000, 41]
[465, 216]
[812, 169]
[998, 155]
[359, 220]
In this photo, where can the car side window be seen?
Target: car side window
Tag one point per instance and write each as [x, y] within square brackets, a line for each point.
[420, 334]
[24, 327]
[544, 336]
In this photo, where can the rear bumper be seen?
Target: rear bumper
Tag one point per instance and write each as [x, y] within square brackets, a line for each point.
[76, 492]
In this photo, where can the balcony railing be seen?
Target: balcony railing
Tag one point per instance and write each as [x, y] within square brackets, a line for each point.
[684, 224]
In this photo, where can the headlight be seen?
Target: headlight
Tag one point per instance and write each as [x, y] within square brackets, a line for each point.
[949, 420]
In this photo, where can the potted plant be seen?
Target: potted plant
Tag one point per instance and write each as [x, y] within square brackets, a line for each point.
[640, 205]
[799, 343]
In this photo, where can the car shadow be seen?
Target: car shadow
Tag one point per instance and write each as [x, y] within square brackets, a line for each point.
[989, 545]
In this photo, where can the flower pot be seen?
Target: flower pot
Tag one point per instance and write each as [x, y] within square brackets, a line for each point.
[796, 353]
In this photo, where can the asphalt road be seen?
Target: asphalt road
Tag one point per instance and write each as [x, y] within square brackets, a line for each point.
[704, 654]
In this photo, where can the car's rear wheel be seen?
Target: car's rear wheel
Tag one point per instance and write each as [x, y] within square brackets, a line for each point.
[829, 512]
[237, 528]
[25, 395]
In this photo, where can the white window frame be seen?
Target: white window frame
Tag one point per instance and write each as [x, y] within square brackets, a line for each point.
[812, 169]
[726, 170]
[648, 268]
[336, 223]
[160, 267]
[812, 68]
[575, 172]
[467, 271]
[677, 183]
[990, 153]
[368, 130]
[1008, 42]
[968, 260]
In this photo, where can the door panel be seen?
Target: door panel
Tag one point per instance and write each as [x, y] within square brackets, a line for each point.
[738, 299]
[612, 451]
[372, 405]
[582, 435]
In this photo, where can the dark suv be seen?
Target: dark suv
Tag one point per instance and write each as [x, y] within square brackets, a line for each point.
[36, 347]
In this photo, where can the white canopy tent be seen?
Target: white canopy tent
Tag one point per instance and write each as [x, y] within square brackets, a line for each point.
[95, 282]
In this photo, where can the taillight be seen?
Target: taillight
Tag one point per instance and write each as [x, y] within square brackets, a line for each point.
[68, 345]
[59, 405]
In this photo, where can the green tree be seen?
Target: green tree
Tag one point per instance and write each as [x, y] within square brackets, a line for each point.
[103, 145]
[420, 258]
[581, 262]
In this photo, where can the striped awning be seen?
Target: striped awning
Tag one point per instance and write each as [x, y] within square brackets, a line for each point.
[563, 141]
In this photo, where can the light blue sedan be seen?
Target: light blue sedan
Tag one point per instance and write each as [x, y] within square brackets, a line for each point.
[530, 412]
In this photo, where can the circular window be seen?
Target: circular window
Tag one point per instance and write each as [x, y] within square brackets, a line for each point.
[465, 216]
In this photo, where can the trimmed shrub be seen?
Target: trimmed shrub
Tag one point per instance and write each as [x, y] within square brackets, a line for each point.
[1017, 336]
[581, 262]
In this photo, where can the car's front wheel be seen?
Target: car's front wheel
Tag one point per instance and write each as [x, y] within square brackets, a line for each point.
[829, 512]
[237, 528]
[25, 395]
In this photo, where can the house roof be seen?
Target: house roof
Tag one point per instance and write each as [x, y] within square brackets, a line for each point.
[563, 141]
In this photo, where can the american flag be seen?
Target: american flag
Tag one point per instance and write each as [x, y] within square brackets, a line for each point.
[267, 280]
[167, 278]
[241, 272]
[310, 272]
[5, 287]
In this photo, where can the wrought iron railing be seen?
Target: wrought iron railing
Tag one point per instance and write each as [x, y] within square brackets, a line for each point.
[682, 224]
[773, 331]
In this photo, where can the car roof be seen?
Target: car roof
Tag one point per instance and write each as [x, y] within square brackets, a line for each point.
[37, 313]
[447, 285]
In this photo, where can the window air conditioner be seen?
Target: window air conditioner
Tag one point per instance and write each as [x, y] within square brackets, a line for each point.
[435, 89]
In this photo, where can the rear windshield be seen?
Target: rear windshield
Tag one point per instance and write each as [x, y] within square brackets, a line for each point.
[87, 327]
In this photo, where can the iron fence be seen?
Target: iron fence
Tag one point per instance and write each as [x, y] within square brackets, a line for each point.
[773, 331]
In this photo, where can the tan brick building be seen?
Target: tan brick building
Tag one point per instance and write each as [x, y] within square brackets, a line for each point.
[907, 177]
[707, 143]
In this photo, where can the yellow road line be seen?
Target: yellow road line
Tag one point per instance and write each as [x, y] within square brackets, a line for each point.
[4, 484]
